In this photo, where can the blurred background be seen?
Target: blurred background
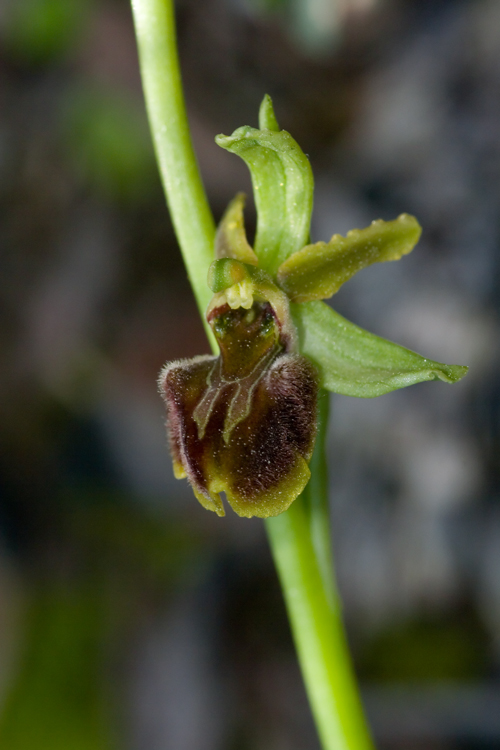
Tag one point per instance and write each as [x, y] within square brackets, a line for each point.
[130, 618]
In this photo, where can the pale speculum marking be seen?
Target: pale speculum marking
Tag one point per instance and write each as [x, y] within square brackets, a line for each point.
[240, 403]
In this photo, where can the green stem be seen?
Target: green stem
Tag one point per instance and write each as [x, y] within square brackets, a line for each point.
[316, 499]
[300, 542]
[299, 538]
[194, 226]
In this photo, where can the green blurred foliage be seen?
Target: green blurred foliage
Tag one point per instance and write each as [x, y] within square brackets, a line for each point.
[427, 650]
[109, 144]
[268, 6]
[38, 31]
[59, 701]
[117, 558]
[140, 548]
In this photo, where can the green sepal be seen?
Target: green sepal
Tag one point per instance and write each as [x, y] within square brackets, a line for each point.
[282, 184]
[318, 271]
[230, 238]
[354, 362]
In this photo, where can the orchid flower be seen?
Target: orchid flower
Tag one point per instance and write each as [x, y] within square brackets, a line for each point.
[244, 422]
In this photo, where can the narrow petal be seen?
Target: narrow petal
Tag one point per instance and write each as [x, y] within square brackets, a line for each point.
[318, 271]
[231, 239]
[354, 362]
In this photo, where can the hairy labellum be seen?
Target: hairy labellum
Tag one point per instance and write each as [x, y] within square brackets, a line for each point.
[244, 422]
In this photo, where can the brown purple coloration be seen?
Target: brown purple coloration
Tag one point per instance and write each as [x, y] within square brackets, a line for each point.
[243, 423]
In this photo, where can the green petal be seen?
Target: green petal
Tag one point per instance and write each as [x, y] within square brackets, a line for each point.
[318, 271]
[354, 362]
[283, 187]
[231, 239]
